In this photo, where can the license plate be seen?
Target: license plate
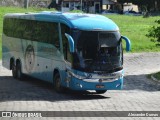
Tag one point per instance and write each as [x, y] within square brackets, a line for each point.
[99, 86]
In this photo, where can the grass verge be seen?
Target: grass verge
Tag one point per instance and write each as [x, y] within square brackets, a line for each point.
[134, 27]
[154, 76]
[157, 76]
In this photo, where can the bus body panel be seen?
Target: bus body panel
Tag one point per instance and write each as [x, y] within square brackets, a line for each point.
[73, 20]
[77, 84]
[89, 81]
[40, 60]
[43, 52]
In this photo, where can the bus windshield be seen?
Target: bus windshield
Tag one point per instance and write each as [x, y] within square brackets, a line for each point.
[97, 51]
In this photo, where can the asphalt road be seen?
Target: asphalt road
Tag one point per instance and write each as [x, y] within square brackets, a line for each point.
[139, 93]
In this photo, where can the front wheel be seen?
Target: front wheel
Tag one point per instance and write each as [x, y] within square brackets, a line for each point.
[57, 83]
[100, 91]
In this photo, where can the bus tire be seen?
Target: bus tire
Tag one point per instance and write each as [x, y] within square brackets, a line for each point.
[14, 70]
[57, 83]
[19, 71]
[100, 91]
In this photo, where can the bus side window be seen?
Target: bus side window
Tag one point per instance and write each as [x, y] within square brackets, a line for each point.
[54, 32]
[66, 52]
[46, 32]
[28, 30]
[8, 27]
[49, 33]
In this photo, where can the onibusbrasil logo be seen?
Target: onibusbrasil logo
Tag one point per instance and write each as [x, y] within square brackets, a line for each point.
[29, 58]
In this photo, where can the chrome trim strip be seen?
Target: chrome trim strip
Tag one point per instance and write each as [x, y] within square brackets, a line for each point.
[97, 80]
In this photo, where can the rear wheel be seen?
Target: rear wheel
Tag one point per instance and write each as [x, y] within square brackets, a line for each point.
[100, 91]
[19, 71]
[57, 83]
[14, 70]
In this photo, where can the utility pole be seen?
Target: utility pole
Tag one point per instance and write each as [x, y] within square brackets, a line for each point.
[81, 5]
[26, 2]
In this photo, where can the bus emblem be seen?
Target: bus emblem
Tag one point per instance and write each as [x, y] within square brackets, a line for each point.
[29, 58]
[89, 76]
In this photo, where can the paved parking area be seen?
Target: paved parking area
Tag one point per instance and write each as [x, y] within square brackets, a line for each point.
[139, 93]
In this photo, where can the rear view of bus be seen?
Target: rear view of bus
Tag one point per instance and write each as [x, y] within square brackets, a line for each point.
[76, 51]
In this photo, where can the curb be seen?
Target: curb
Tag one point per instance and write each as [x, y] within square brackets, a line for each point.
[154, 79]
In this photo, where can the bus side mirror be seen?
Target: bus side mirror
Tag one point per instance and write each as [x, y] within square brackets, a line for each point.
[71, 43]
[128, 43]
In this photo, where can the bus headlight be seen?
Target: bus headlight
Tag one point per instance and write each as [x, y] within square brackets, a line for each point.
[118, 85]
[76, 76]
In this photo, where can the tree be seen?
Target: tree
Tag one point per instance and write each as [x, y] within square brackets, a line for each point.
[154, 33]
[149, 4]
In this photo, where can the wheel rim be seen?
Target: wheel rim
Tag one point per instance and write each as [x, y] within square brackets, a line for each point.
[14, 70]
[57, 83]
[18, 73]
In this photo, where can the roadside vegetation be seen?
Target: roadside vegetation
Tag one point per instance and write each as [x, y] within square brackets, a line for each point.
[134, 27]
[157, 76]
[154, 33]
[154, 75]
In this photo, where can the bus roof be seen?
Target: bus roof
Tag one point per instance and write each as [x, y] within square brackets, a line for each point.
[74, 20]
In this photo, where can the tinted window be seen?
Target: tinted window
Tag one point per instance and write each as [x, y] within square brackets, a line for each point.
[97, 51]
[67, 55]
[40, 31]
[108, 39]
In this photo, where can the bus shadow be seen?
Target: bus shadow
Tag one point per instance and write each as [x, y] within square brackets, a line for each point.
[30, 89]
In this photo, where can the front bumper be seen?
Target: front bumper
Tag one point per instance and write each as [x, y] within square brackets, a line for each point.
[96, 83]
[83, 85]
